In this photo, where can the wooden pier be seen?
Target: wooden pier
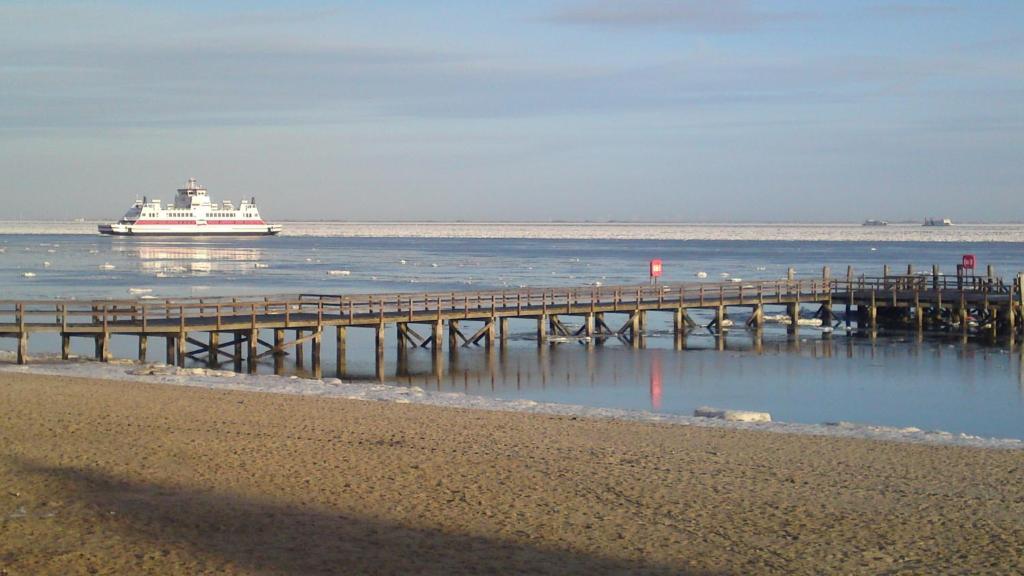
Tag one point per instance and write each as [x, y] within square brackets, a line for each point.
[228, 330]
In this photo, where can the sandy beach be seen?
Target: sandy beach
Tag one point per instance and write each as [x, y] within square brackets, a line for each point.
[104, 477]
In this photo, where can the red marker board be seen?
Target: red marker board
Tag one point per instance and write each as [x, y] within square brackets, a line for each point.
[656, 268]
[969, 262]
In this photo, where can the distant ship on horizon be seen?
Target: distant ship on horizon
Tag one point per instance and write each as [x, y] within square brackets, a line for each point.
[875, 223]
[191, 214]
[937, 222]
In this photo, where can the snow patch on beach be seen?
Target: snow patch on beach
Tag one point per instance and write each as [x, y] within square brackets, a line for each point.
[335, 388]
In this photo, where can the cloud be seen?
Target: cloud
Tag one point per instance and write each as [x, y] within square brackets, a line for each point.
[698, 16]
[908, 9]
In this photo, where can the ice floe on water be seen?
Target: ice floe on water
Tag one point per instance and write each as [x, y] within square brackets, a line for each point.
[335, 388]
[909, 232]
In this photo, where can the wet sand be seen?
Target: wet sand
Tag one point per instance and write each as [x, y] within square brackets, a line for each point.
[111, 477]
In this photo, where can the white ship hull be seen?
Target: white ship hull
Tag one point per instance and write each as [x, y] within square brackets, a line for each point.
[190, 229]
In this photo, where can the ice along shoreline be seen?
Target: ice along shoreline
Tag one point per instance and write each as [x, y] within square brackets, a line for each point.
[125, 370]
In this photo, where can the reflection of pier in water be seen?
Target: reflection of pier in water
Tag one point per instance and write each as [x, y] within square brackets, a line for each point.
[568, 365]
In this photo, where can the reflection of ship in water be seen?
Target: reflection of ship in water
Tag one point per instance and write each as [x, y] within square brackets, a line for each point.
[163, 259]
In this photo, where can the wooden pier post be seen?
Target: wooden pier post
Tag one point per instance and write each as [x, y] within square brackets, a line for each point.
[849, 298]
[23, 347]
[254, 343]
[910, 269]
[379, 333]
[542, 326]
[299, 352]
[678, 325]
[757, 316]
[790, 273]
[453, 338]
[379, 365]
[873, 313]
[236, 356]
[143, 347]
[720, 319]
[642, 320]
[278, 351]
[437, 363]
[103, 346]
[793, 311]
[679, 341]
[919, 318]
[503, 330]
[182, 347]
[634, 330]
[341, 350]
[315, 353]
[65, 346]
[169, 358]
[213, 352]
[401, 344]
[490, 332]
[437, 335]
[588, 325]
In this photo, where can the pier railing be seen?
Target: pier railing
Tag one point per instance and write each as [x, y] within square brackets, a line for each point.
[161, 315]
[216, 313]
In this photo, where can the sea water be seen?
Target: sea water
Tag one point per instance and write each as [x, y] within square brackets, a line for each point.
[893, 380]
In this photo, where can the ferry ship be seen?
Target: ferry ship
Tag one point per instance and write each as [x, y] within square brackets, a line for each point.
[937, 222]
[192, 214]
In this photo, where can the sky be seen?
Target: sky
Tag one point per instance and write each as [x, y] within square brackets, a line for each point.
[579, 110]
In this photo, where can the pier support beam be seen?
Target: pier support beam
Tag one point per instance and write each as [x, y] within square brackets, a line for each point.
[341, 352]
[379, 365]
[236, 356]
[169, 349]
[65, 346]
[254, 342]
[143, 347]
[588, 325]
[503, 331]
[299, 352]
[23, 347]
[278, 351]
[379, 333]
[182, 347]
[453, 339]
[490, 333]
[213, 352]
[437, 335]
[542, 327]
[634, 329]
[756, 320]
[315, 353]
[793, 311]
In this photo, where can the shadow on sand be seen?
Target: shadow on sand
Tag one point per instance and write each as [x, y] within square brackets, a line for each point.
[221, 531]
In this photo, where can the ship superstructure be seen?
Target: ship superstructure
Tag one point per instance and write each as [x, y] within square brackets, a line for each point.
[191, 214]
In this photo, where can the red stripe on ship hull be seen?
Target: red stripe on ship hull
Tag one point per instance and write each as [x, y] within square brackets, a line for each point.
[193, 222]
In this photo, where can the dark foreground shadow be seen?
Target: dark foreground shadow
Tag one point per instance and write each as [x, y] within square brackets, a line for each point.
[244, 534]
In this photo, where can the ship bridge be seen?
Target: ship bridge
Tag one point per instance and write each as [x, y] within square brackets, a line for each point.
[191, 196]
